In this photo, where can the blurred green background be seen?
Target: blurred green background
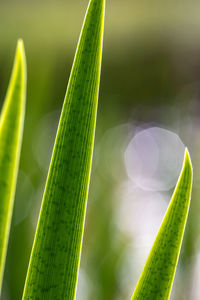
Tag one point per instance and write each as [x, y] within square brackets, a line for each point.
[149, 98]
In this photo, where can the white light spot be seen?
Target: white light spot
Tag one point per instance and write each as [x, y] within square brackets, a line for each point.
[154, 158]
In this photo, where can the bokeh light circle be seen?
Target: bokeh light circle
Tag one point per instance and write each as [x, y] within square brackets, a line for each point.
[154, 158]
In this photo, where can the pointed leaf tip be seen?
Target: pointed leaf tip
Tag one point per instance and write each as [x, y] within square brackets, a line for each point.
[20, 44]
[20, 52]
[158, 274]
[187, 158]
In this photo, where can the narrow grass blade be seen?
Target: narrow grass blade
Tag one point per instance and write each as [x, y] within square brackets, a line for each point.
[157, 277]
[54, 263]
[11, 129]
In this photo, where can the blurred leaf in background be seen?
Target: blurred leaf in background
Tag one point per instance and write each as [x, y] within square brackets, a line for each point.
[11, 132]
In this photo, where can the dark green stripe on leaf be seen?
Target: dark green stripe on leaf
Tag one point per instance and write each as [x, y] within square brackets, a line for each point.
[11, 129]
[157, 277]
[54, 263]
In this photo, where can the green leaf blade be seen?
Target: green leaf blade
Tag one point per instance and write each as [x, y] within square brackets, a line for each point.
[156, 280]
[53, 268]
[11, 130]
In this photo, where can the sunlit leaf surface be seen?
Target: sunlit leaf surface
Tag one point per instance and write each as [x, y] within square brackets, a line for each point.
[158, 273]
[53, 268]
[11, 129]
